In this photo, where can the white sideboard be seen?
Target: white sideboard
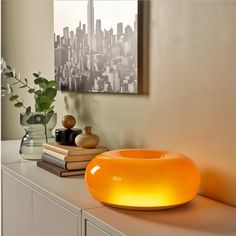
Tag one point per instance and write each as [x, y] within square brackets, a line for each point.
[38, 203]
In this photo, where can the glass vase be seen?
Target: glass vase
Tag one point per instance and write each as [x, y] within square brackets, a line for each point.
[36, 134]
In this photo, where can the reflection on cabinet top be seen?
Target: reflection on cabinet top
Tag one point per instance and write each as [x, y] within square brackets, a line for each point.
[201, 217]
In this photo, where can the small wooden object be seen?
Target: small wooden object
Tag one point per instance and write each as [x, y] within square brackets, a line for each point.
[68, 121]
[66, 136]
[87, 139]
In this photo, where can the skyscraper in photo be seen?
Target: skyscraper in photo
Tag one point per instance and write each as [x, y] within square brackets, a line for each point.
[99, 35]
[66, 36]
[90, 22]
[84, 28]
[72, 37]
[119, 29]
[98, 26]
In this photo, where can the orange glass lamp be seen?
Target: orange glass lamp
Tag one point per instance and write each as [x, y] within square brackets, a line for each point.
[142, 179]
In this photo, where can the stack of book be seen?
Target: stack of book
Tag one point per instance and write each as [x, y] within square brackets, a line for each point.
[67, 160]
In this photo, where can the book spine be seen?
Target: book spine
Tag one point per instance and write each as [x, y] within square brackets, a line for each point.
[57, 170]
[69, 158]
[78, 151]
[72, 173]
[76, 165]
[48, 158]
[55, 149]
[87, 151]
[42, 165]
[56, 155]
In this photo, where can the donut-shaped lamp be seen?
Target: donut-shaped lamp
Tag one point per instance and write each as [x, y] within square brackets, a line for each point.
[142, 179]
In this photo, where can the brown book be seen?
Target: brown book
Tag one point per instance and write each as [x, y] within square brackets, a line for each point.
[57, 170]
[73, 150]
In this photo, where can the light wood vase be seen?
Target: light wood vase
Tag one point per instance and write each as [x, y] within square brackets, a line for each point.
[87, 139]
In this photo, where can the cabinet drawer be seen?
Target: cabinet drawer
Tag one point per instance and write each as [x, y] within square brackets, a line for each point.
[51, 219]
[93, 230]
[94, 226]
[16, 207]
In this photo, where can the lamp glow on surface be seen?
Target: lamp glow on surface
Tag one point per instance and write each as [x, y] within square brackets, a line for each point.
[142, 179]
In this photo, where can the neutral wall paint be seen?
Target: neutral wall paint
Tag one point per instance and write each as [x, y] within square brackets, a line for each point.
[191, 104]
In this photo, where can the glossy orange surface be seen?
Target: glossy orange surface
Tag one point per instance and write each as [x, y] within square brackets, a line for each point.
[142, 179]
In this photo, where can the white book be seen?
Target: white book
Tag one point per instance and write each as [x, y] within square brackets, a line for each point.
[66, 158]
[73, 150]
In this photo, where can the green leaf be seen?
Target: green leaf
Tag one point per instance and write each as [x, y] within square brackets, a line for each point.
[36, 119]
[43, 102]
[19, 104]
[13, 98]
[43, 85]
[31, 90]
[48, 117]
[38, 80]
[52, 83]
[35, 75]
[3, 88]
[28, 110]
[41, 82]
[9, 74]
[50, 93]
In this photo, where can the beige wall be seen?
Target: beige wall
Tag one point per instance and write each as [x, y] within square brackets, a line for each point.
[191, 107]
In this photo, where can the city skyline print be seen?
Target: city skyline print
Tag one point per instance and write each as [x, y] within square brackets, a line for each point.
[96, 46]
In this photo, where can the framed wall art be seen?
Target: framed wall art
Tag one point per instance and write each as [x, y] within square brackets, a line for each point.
[99, 46]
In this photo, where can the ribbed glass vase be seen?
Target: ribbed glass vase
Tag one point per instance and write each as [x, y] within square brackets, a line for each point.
[36, 134]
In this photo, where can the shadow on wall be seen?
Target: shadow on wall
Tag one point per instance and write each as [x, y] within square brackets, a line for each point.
[89, 115]
[127, 141]
[73, 105]
[213, 181]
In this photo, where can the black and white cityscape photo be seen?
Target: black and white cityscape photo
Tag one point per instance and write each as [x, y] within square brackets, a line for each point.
[95, 43]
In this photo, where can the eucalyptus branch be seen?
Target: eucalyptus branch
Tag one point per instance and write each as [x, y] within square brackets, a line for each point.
[43, 93]
[19, 103]
[24, 84]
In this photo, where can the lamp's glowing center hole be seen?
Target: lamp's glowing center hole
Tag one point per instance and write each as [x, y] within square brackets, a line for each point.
[142, 154]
